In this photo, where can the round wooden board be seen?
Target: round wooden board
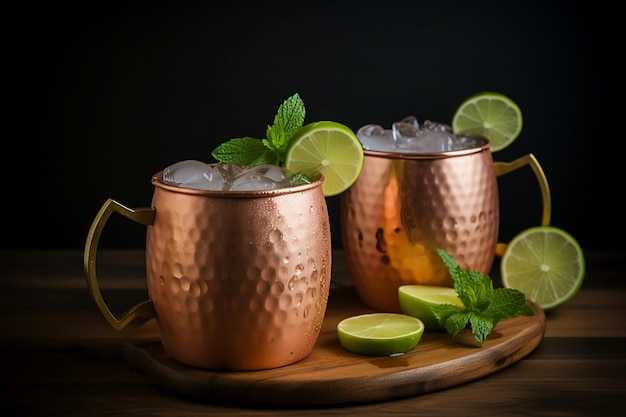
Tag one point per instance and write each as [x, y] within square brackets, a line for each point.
[332, 376]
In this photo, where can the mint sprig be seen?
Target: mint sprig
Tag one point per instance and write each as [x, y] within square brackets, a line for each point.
[485, 305]
[248, 151]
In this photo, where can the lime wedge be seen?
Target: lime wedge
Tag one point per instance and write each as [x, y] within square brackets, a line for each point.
[380, 334]
[492, 115]
[327, 148]
[416, 300]
[545, 263]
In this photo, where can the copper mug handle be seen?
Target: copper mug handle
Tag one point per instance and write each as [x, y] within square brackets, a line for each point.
[502, 168]
[143, 216]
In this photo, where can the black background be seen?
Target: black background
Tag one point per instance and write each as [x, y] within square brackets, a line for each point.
[104, 94]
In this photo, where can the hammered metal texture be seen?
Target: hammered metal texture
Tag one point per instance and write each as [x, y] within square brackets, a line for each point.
[239, 281]
[402, 208]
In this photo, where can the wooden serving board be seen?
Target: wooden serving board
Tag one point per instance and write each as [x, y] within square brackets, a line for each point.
[332, 376]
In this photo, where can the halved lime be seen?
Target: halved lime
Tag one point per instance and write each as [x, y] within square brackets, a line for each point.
[416, 300]
[380, 334]
[327, 148]
[492, 115]
[546, 263]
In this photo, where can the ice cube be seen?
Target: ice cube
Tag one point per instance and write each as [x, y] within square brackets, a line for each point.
[261, 177]
[404, 131]
[375, 137]
[189, 173]
[225, 177]
[408, 137]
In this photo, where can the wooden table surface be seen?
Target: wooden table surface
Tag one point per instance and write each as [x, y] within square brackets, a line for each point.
[58, 356]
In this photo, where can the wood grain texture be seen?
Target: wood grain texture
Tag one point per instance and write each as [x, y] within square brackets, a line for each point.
[59, 357]
[332, 376]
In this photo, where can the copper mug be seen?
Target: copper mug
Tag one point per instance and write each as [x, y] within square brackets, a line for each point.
[236, 280]
[403, 207]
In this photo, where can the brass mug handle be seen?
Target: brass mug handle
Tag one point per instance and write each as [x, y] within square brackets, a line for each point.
[506, 167]
[143, 216]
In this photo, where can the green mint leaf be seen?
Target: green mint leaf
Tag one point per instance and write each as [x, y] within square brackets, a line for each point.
[473, 288]
[244, 152]
[302, 178]
[456, 323]
[448, 260]
[268, 157]
[481, 326]
[485, 305]
[507, 303]
[526, 310]
[288, 119]
[273, 143]
[443, 312]
[271, 150]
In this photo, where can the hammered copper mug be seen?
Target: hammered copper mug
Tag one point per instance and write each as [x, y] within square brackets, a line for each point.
[403, 207]
[236, 280]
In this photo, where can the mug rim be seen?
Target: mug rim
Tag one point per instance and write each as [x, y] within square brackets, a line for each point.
[157, 181]
[485, 146]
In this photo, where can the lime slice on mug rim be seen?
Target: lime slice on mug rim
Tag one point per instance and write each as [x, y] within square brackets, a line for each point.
[327, 148]
[491, 115]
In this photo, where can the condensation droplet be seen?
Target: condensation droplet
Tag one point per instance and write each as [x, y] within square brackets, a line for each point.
[299, 269]
[275, 235]
[292, 283]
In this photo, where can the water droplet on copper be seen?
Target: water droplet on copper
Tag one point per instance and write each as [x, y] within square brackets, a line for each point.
[275, 235]
[292, 283]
